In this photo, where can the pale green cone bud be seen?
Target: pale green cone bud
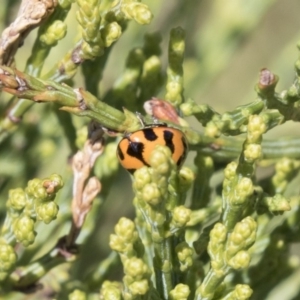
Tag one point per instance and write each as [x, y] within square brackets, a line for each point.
[160, 160]
[111, 290]
[243, 190]
[180, 292]
[55, 32]
[16, 199]
[110, 33]
[47, 212]
[77, 295]
[23, 229]
[185, 256]
[151, 194]
[186, 179]
[137, 11]
[252, 152]
[242, 292]
[256, 127]
[181, 215]
[240, 260]
[125, 228]
[8, 258]
[139, 287]
[277, 204]
[142, 177]
[35, 189]
[135, 267]
[242, 236]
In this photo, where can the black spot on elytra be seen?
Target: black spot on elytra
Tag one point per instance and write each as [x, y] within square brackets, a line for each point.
[168, 137]
[136, 149]
[149, 134]
[131, 171]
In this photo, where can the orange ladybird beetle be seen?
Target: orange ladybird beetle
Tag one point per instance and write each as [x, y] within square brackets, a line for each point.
[135, 148]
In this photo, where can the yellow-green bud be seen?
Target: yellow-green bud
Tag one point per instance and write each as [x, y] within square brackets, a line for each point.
[55, 32]
[77, 295]
[8, 257]
[218, 233]
[35, 189]
[211, 130]
[23, 229]
[252, 152]
[242, 292]
[256, 127]
[180, 292]
[125, 229]
[141, 178]
[181, 215]
[240, 260]
[174, 90]
[137, 11]
[185, 256]
[244, 189]
[278, 203]
[17, 199]
[135, 268]
[110, 33]
[151, 194]
[230, 171]
[186, 178]
[139, 287]
[111, 290]
[242, 236]
[160, 159]
[47, 212]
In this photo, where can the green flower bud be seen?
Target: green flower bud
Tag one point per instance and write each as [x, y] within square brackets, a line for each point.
[139, 287]
[111, 33]
[77, 295]
[135, 268]
[180, 292]
[174, 90]
[160, 159]
[35, 189]
[252, 152]
[16, 199]
[57, 182]
[47, 212]
[277, 204]
[137, 11]
[8, 258]
[218, 233]
[240, 260]
[186, 178]
[23, 229]
[243, 190]
[125, 229]
[116, 243]
[242, 236]
[211, 130]
[185, 256]
[230, 171]
[55, 32]
[141, 178]
[111, 290]
[256, 127]
[181, 215]
[151, 194]
[242, 292]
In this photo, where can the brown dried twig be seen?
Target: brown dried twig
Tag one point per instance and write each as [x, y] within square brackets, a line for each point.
[85, 188]
[30, 15]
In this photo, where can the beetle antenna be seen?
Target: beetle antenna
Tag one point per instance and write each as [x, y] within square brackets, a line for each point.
[140, 118]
